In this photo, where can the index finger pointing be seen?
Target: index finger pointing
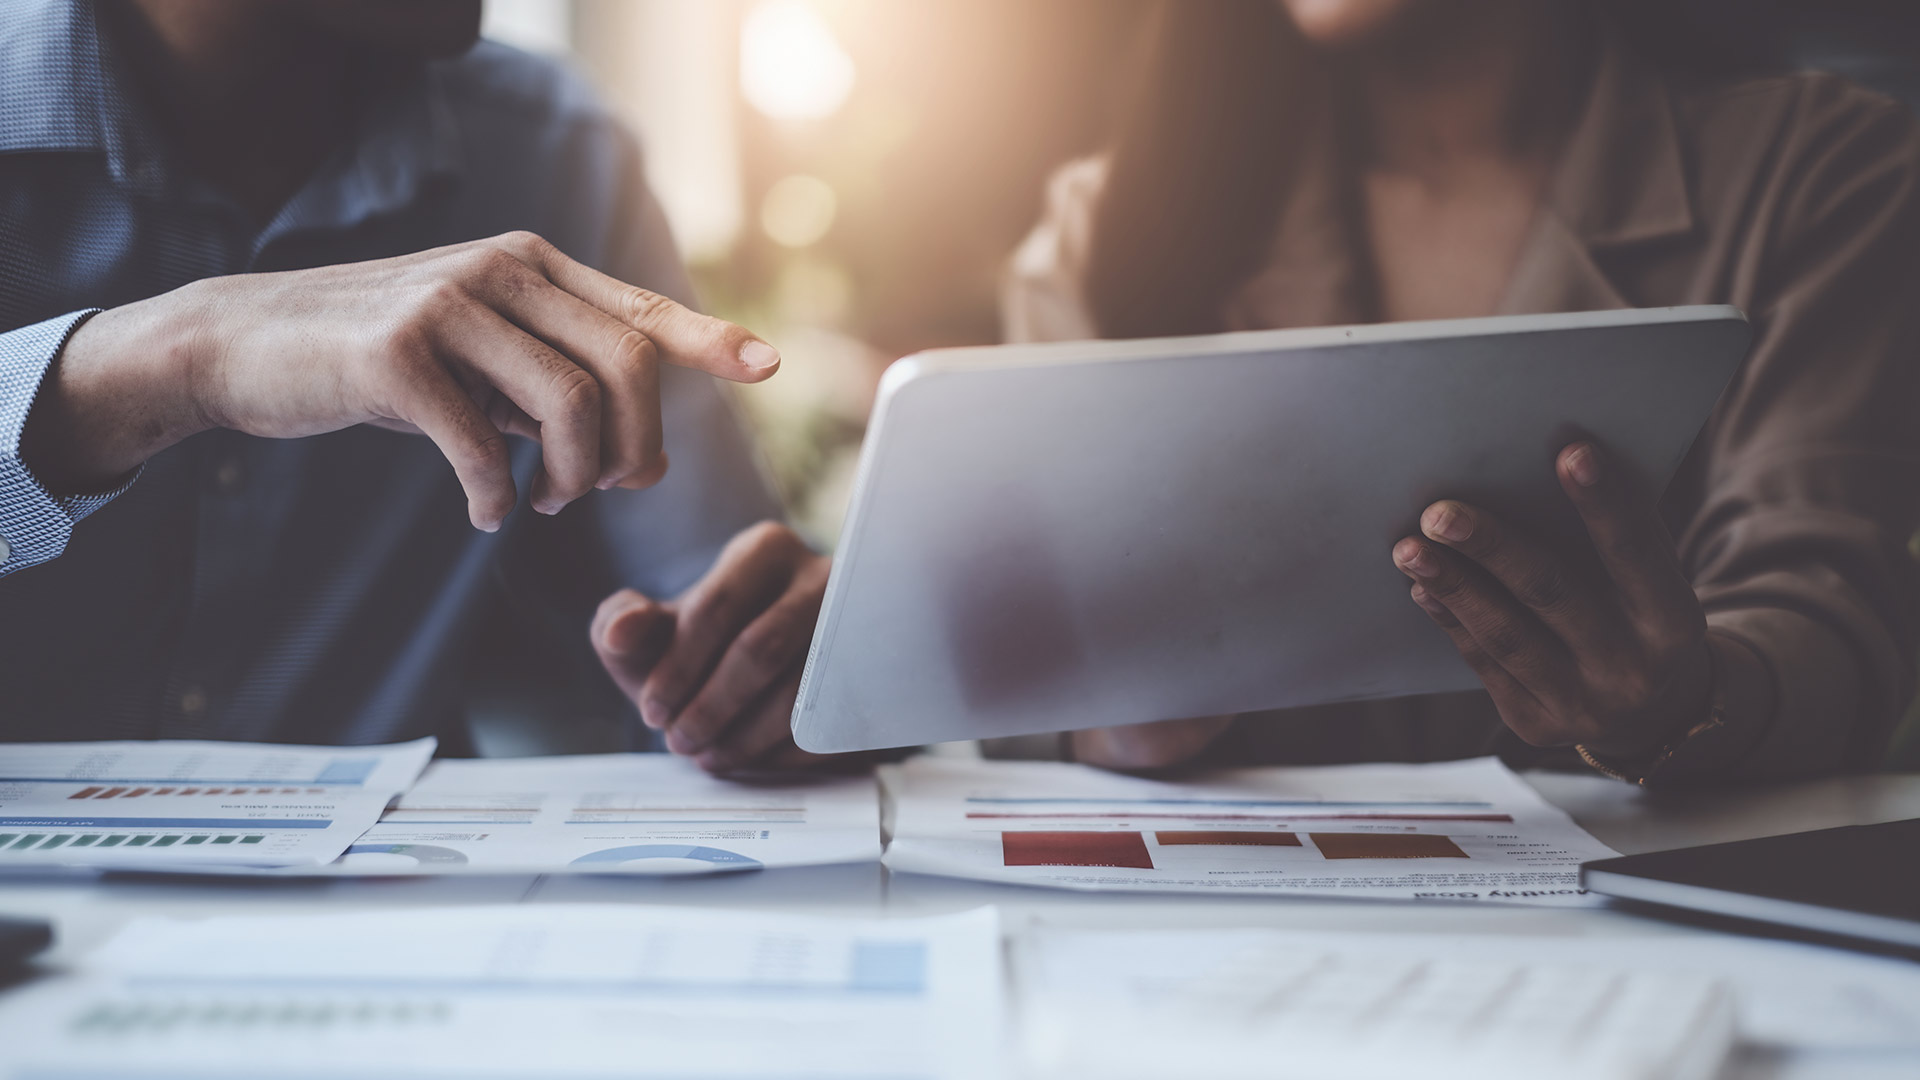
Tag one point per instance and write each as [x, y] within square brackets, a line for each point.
[684, 337]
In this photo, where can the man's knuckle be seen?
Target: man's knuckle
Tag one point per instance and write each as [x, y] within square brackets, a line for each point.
[486, 449]
[814, 575]
[622, 460]
[399, 368]
[669, 682]
[766, 647]
[441, 298]
[578, 395]
[639, 307]
[634, 351]
[700, 717]
[767, 536]
[748, 542]
[486, 262]
[708, 603]
[620, 600]
[520, 243]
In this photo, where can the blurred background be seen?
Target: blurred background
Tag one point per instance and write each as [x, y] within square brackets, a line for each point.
[846, 177]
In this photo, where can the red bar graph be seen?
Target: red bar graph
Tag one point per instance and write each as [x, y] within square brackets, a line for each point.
[1126, 849]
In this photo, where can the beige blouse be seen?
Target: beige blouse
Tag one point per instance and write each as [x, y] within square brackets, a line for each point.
[1793, 197]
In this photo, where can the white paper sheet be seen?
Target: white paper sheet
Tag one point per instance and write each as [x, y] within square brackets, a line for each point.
[531, 991]
[1278, 1006]
[180, 804]
[1257, 1002]
[1463, 830]
[615, 813]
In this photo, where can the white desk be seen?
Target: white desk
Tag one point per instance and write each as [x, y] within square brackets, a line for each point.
[1626, 818]
[1629, 819]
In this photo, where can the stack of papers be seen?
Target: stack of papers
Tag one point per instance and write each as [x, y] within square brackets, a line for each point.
[1276, 1005]
[1283, 1003]
[541, 991]
[178, 804]
[1464, 830]
[616, 813]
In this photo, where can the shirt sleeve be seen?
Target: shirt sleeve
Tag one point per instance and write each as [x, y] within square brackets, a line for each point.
[34, 523]
[1799, 551]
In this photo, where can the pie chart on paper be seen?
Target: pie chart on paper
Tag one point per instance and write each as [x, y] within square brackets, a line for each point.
[400, 858]
[665, 859]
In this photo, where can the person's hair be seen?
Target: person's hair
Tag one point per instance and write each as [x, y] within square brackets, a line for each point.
[1202, 160]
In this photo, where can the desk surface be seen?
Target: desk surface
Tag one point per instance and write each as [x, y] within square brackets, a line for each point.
[1626, 818]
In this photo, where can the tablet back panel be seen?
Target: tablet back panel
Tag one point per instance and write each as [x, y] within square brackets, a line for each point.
[1053, 537]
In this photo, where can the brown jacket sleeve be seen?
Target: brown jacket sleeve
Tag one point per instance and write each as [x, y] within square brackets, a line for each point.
[1799, 545]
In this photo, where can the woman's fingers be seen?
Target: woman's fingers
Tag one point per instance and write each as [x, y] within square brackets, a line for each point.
[1567, 660]
[1509, 634]
[1632, 541]
[1536, 578]
[1519, 708]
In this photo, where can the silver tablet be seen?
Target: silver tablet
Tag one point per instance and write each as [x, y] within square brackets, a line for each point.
[1052, 537]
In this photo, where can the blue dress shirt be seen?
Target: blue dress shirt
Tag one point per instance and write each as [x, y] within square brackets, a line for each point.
[318, 589]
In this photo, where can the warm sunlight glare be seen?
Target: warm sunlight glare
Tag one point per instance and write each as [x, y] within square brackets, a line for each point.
[791, 67]
[798, 210]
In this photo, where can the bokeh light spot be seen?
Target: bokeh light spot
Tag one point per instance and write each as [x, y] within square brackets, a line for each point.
[791, 65]
[798, 210]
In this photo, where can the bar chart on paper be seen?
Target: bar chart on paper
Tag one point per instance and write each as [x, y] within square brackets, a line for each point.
[1449, 831]
[181, 804]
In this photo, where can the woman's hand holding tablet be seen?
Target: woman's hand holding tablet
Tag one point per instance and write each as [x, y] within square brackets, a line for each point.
[1616, 661]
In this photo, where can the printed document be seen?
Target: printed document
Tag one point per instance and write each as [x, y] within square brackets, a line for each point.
[180, 804]
[618, 813]
[1280, 1003]
[1462, 830]
[553, 991]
